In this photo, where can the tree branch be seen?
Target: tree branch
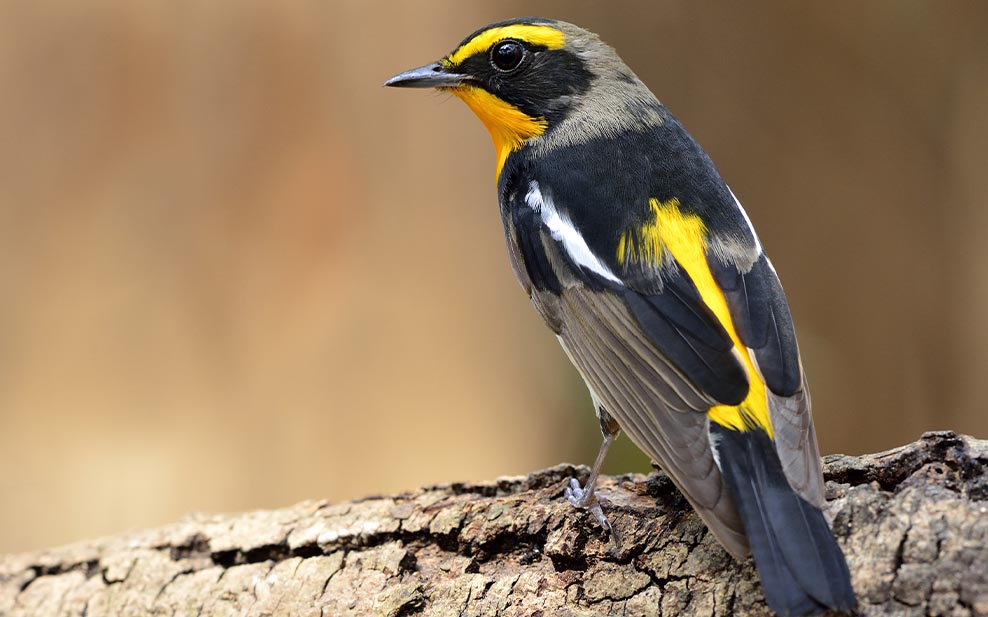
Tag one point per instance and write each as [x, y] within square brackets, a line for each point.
[912, 522]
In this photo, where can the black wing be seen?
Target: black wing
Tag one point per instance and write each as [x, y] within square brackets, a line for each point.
[761, 318]
[764, 324]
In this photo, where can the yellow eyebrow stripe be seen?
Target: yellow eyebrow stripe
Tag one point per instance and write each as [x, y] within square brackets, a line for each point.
[545, 36]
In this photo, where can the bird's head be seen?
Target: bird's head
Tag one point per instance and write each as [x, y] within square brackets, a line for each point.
[531, 77]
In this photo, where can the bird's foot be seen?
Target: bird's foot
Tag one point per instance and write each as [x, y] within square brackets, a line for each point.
[585, 499]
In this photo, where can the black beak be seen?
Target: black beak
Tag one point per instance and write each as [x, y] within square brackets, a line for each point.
[429, 76]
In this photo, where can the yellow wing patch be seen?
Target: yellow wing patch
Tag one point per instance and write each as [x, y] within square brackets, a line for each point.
[671, 228]
[682, 236]
[509, 126]
[544, 36]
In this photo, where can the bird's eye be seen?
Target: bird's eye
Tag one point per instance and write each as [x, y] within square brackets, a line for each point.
[507, 55]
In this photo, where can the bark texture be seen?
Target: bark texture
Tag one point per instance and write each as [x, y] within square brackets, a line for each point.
[912, 521]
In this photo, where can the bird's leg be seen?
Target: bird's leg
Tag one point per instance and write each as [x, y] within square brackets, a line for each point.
[584, 497]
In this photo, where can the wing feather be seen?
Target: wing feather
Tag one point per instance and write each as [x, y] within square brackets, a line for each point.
[658, 358]
[762, 320]
[682, 325]
[795, 441]
[648, 397]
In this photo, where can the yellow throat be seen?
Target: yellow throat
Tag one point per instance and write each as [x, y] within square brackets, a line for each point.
[509, 126]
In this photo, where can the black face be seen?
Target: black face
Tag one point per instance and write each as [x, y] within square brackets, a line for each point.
[539, 81]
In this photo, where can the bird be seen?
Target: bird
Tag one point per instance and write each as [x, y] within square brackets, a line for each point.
[644, 264]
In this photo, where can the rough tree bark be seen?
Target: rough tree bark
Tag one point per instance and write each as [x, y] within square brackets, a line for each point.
[913, 523]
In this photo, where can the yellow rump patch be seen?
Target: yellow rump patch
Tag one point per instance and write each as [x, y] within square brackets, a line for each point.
[509, 126]
[545, 36]
[675, 234]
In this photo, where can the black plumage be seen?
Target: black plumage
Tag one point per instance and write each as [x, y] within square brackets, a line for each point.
[761, 316]
[801, 566]
[679, 324]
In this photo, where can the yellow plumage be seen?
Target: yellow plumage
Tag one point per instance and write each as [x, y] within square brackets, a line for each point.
[675, 234]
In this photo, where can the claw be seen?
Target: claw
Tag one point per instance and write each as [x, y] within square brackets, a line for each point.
[577, 496]
[585, 499]
[598, 513]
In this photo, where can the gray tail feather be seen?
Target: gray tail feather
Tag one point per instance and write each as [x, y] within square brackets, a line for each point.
[802, 568]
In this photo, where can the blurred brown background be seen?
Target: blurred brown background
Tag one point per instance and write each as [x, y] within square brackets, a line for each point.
[237, 273]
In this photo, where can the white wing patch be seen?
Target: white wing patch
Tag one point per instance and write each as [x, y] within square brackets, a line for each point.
[714, 447]
[563, 231]
[751, 228]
